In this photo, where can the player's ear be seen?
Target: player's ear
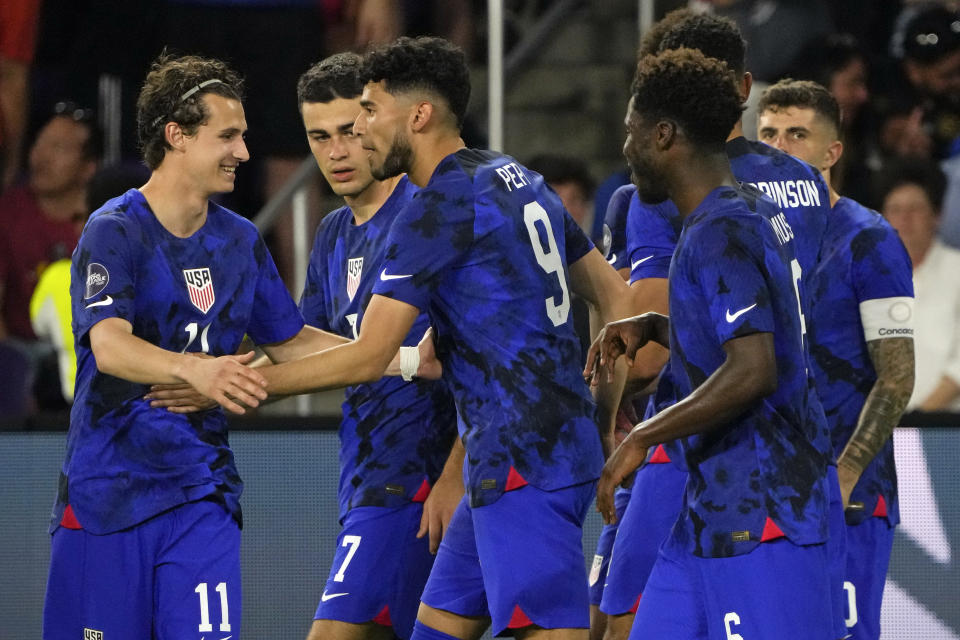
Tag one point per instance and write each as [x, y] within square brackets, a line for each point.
[422, 113]
[666, 134]
[174, 135]
[746, 84]
[834, 151]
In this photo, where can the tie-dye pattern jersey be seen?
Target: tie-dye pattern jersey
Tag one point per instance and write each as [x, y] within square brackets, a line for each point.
[126, 461]
[395, 435]
[615, 227]
[733, 275]
[484, 249]
[862, 259]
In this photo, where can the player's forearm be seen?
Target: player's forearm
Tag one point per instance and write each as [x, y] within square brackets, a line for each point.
[124, 355]
[453, 467]
[307, 341]
[742, 381]
[607, 395]
[333, 368]
[893, 361]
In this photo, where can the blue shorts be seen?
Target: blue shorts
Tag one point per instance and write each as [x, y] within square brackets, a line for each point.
[654, 506]
[868, 556]
[601, 560]
[778, 590]
[174, 576]
[381, 542]
[518, 560]
[837, 553]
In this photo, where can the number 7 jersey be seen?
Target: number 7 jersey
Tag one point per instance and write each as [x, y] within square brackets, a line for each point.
[126, 461]
[484, 249]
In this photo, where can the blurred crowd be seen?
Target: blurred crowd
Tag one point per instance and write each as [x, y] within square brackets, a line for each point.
[893, 66]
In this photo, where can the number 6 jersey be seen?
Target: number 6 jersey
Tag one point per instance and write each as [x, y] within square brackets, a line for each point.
[126, 461]
[484, 249]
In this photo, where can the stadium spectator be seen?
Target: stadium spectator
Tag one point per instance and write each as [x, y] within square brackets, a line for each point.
[911, 194]
[18, 31]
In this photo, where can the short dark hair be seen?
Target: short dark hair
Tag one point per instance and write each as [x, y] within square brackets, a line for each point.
[337, 76]
[86, 118]
[822, 58]
[650, 42]
[559, 169]
[697, 92]
[714, 36]
[426, 64]
[172, 92]
[924, 173]
[805, 94]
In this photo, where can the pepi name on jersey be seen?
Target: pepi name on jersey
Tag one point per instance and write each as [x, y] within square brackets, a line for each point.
[512, 176]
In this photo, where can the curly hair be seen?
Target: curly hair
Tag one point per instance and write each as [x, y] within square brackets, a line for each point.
[422, 64]
[650, 42]
[699, 93]
[714, 36]
[337, 76]
[805, 94]
[166, 96]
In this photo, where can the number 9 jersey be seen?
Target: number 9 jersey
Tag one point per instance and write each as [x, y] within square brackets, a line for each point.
[126, 461]
[484, 249]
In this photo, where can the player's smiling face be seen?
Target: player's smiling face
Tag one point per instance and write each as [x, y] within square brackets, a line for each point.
[214, 152]
[638, 149]
[337, 150]
[382, 127]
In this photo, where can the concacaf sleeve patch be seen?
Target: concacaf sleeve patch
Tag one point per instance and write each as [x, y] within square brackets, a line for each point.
[887, 318]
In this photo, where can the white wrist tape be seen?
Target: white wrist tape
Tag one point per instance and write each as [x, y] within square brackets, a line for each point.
[409, 362]
[887, 318]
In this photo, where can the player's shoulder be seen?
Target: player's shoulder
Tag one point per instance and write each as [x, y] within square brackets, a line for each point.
[621, 197]
[334, 220]
[730, 215]
[760, 153]
[120, 213]
[230, 220]
[861, 223]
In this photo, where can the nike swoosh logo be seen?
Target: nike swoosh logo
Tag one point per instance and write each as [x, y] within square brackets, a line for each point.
[612, 259]
[102, 303]
[733, 316]
[385, 277]
[331, 596]
[634, 265]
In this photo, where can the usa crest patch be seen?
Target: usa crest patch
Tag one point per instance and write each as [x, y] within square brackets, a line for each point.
[200, 288]
[354, 271]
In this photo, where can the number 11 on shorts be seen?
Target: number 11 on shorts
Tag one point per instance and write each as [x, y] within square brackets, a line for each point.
[205, 626]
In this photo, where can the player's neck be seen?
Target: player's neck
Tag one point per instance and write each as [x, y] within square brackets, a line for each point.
[428, 154]
[175, 202]
[834, 196]
[366, 204]
[737, 131]
[696, 177]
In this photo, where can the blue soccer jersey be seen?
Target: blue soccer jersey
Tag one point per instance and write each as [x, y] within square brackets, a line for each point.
[862, 259]
[734, 274]
[615, 227]
[126, 461]
[395, 435]
[484, 249]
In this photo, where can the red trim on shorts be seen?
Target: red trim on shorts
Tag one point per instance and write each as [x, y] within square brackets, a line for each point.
[514, 480]
[383, 618]
[69, 519]
[422, 492]
[881, 510]
[771, 531]
[519, 618]
[659, 456]
[636, 604]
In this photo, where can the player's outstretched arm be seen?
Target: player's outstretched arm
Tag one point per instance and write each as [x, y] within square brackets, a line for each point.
[225, 379]
[893, 361]
[444, 497]
[649, 294]
[386, 323]
[747, 375]
[624, 338]
[306, 341]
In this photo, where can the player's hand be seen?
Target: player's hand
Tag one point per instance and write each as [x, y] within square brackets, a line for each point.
[430, 368]
[624, 338]
[178, 398]
[439, 507]
[226, 381]
[624, 461]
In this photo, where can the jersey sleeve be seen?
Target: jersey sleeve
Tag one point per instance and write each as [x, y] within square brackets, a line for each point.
[880, 266]
[730, 267]
[275, 316]
[615, 228]
[103, 274]
[651, 240]
[428, 236]
[313, 301]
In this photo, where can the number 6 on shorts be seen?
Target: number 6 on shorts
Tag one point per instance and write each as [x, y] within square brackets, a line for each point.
[353, 542]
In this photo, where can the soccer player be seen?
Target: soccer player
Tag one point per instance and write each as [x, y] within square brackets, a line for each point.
[652, 234]
[490, 254]
[395, 435]
[861, 331]
[147, 511]
[755, 507]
